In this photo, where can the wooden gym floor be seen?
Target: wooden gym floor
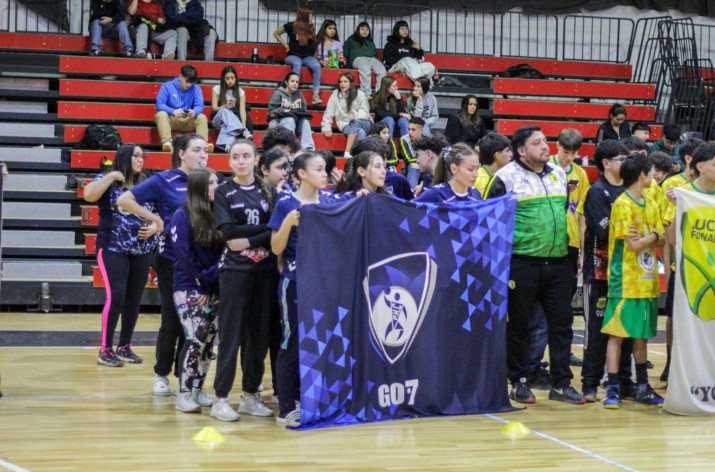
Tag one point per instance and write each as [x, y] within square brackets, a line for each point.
[63, 412]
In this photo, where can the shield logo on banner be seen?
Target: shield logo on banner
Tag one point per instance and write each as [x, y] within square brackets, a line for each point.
[697, 264]
[398, 291]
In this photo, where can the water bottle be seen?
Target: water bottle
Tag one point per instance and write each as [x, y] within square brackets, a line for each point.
[254, 56]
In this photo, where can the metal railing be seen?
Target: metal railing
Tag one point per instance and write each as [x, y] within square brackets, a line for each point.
[466, 32]
[705, 39]
[419, 17]
[594, 38]
[533, 36]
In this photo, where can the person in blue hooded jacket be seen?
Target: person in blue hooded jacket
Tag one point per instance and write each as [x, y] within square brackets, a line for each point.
[180, 106]
[187, 18]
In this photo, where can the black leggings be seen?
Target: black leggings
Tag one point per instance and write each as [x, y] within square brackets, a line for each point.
[125, 277]
[170, 339]
[248, 307]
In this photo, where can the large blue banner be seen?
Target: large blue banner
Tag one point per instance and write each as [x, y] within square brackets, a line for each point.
[402, 309]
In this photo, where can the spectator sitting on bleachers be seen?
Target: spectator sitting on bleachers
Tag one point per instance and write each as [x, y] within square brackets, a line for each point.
[330, 49]
[640, 129]
[351, 110]
[187, 18]
[669, 145]
[616, 127]
[466, 126]
[287, 107]
[106, 18]
[423, 103]
[389, 107]
[361, 54]
[180, 106]
[414, 132]
[301, 46]
[402, 54]
[150, 24]
[228, 113]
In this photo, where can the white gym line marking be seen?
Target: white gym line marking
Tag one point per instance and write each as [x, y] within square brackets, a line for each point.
[571, 446]
[13, 467]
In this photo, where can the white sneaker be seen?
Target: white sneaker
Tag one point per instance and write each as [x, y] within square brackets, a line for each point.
[252, 404]
[161, 386]
[222, 411]
[201, 398]
[260, 388]
[185, 402]
[291, 419]
[347, 155]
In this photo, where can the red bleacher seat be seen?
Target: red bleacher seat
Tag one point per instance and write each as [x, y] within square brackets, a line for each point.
[552, 128]
[574, 88]
[577, 110]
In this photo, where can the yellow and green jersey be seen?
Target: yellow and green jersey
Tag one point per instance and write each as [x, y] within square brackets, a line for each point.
[655, 193]
[631, 274]
[575, 172]
[668, 211]
[483, 177]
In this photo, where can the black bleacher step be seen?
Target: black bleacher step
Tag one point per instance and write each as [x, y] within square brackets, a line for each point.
[43, 117]
[44, 252]
[42, 166]
[17, 63]
[42, 223]
[31, 141]
[34, 95]
[81, 294]
[41, 195]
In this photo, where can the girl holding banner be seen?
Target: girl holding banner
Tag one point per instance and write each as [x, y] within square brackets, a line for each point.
[309, 168]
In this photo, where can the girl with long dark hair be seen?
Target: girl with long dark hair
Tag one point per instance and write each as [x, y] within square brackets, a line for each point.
[367, 174]
[330, 49]
[228, 109]
[249, 281]
[423, 103]
[351, 110]
[466, 126]
[615, 127]
[167, 192]
[361, 54]
[389, 107]
[287, 107]
[301, 46]
[403, 54]
[309, 168]
[124, 251]
[197, 248]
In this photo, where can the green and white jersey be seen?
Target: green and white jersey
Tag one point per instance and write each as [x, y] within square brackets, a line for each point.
[540, 229]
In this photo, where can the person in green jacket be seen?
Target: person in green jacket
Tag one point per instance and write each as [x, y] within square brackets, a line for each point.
[361, 54]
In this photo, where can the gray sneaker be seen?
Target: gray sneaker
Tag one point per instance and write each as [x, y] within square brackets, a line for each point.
[222, 411]
[201, 398]
[252, 404]
[185, 402]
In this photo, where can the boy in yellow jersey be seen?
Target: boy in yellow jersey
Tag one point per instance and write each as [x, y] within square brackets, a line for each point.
[494, 153]
[568, 145]
[633, 284]
[662, 165]
[668, 213]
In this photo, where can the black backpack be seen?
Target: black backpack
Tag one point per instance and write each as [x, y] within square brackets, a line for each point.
[97, 137]
[524, 71]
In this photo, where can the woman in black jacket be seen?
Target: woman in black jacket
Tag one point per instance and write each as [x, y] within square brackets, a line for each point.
[616, 127]
[402, 54]
[466, 126]
[389, 107]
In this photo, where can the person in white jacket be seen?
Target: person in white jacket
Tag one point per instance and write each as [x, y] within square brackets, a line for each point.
[351, 110]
